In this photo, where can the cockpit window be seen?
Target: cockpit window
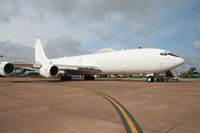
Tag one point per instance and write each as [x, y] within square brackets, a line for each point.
[173, 55]
[168, 53]
[164, 54]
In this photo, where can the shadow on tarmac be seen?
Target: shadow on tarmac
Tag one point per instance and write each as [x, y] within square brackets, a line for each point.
[29, 80]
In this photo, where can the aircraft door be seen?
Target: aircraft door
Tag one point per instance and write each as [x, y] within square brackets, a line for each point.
[161, 65]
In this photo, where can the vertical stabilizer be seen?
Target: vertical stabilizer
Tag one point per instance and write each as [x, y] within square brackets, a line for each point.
[40, 56]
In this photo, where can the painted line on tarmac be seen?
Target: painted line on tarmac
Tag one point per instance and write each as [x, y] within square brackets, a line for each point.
[128, 120]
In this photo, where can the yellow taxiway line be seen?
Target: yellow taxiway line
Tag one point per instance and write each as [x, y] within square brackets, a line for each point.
[133, 127]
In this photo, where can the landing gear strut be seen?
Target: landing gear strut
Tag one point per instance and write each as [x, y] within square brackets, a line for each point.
[88, 77]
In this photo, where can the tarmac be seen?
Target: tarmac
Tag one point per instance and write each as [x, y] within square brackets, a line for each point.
[37, 105]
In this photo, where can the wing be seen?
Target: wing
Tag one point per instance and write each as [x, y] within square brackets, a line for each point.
[68, 69]
[23, 65]
[78, 69]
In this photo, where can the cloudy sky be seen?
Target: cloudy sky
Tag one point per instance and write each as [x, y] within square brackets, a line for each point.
[73, 27]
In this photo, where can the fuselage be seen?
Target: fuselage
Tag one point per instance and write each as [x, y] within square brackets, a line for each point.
[147, 60]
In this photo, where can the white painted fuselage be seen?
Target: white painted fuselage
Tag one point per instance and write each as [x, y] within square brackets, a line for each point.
[147, 60]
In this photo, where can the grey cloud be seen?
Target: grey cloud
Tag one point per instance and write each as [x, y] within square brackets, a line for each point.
[139, 15]
[149, 46]
[65, 46]
[105, 34]
[109, 35]
[99, 9]
[198, 28]
[9, 9]
[139, 28]
[198, 58]
[197, 63]
[64, 6]
[135, 10]
[14, 51]
[196, 45]
[189, 62]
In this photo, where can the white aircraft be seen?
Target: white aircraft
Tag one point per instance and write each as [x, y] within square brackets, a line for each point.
[149, 61]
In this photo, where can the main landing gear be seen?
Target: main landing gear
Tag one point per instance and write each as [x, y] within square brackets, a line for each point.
[65, 77]
[89, 77]
[150, 79]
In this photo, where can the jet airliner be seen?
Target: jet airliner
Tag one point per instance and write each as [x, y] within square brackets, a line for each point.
[149, 61]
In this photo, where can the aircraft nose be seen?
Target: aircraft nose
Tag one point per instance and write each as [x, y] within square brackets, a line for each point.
[180, 61]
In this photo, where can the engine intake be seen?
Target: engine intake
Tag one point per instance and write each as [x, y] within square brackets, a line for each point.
[9, 68]
[54, 70]
[48, 70]
[6, 68]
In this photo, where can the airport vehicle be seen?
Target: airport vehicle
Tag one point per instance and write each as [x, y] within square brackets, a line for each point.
[189, 73]
[143, 60]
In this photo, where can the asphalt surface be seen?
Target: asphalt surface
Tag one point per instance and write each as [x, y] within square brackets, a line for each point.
[29, 105]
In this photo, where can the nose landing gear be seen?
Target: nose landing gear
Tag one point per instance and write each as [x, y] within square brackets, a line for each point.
[169, 75]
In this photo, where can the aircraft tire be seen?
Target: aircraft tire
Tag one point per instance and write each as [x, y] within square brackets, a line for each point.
[68, 77]
[64, 77]
[88, 77]
[150, 79]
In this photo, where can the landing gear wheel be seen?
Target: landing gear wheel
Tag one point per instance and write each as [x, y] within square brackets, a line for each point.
[150, 79]
[65, 77]
[68, 77]
[88, 77]
[92, 78]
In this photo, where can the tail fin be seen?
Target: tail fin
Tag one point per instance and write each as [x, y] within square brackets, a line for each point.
[40, 56]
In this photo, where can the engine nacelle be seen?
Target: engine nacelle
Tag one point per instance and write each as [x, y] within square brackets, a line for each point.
[6, 68]
[48, 70]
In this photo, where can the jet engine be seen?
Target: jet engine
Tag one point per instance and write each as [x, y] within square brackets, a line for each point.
[48, 70]
[6, 68]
